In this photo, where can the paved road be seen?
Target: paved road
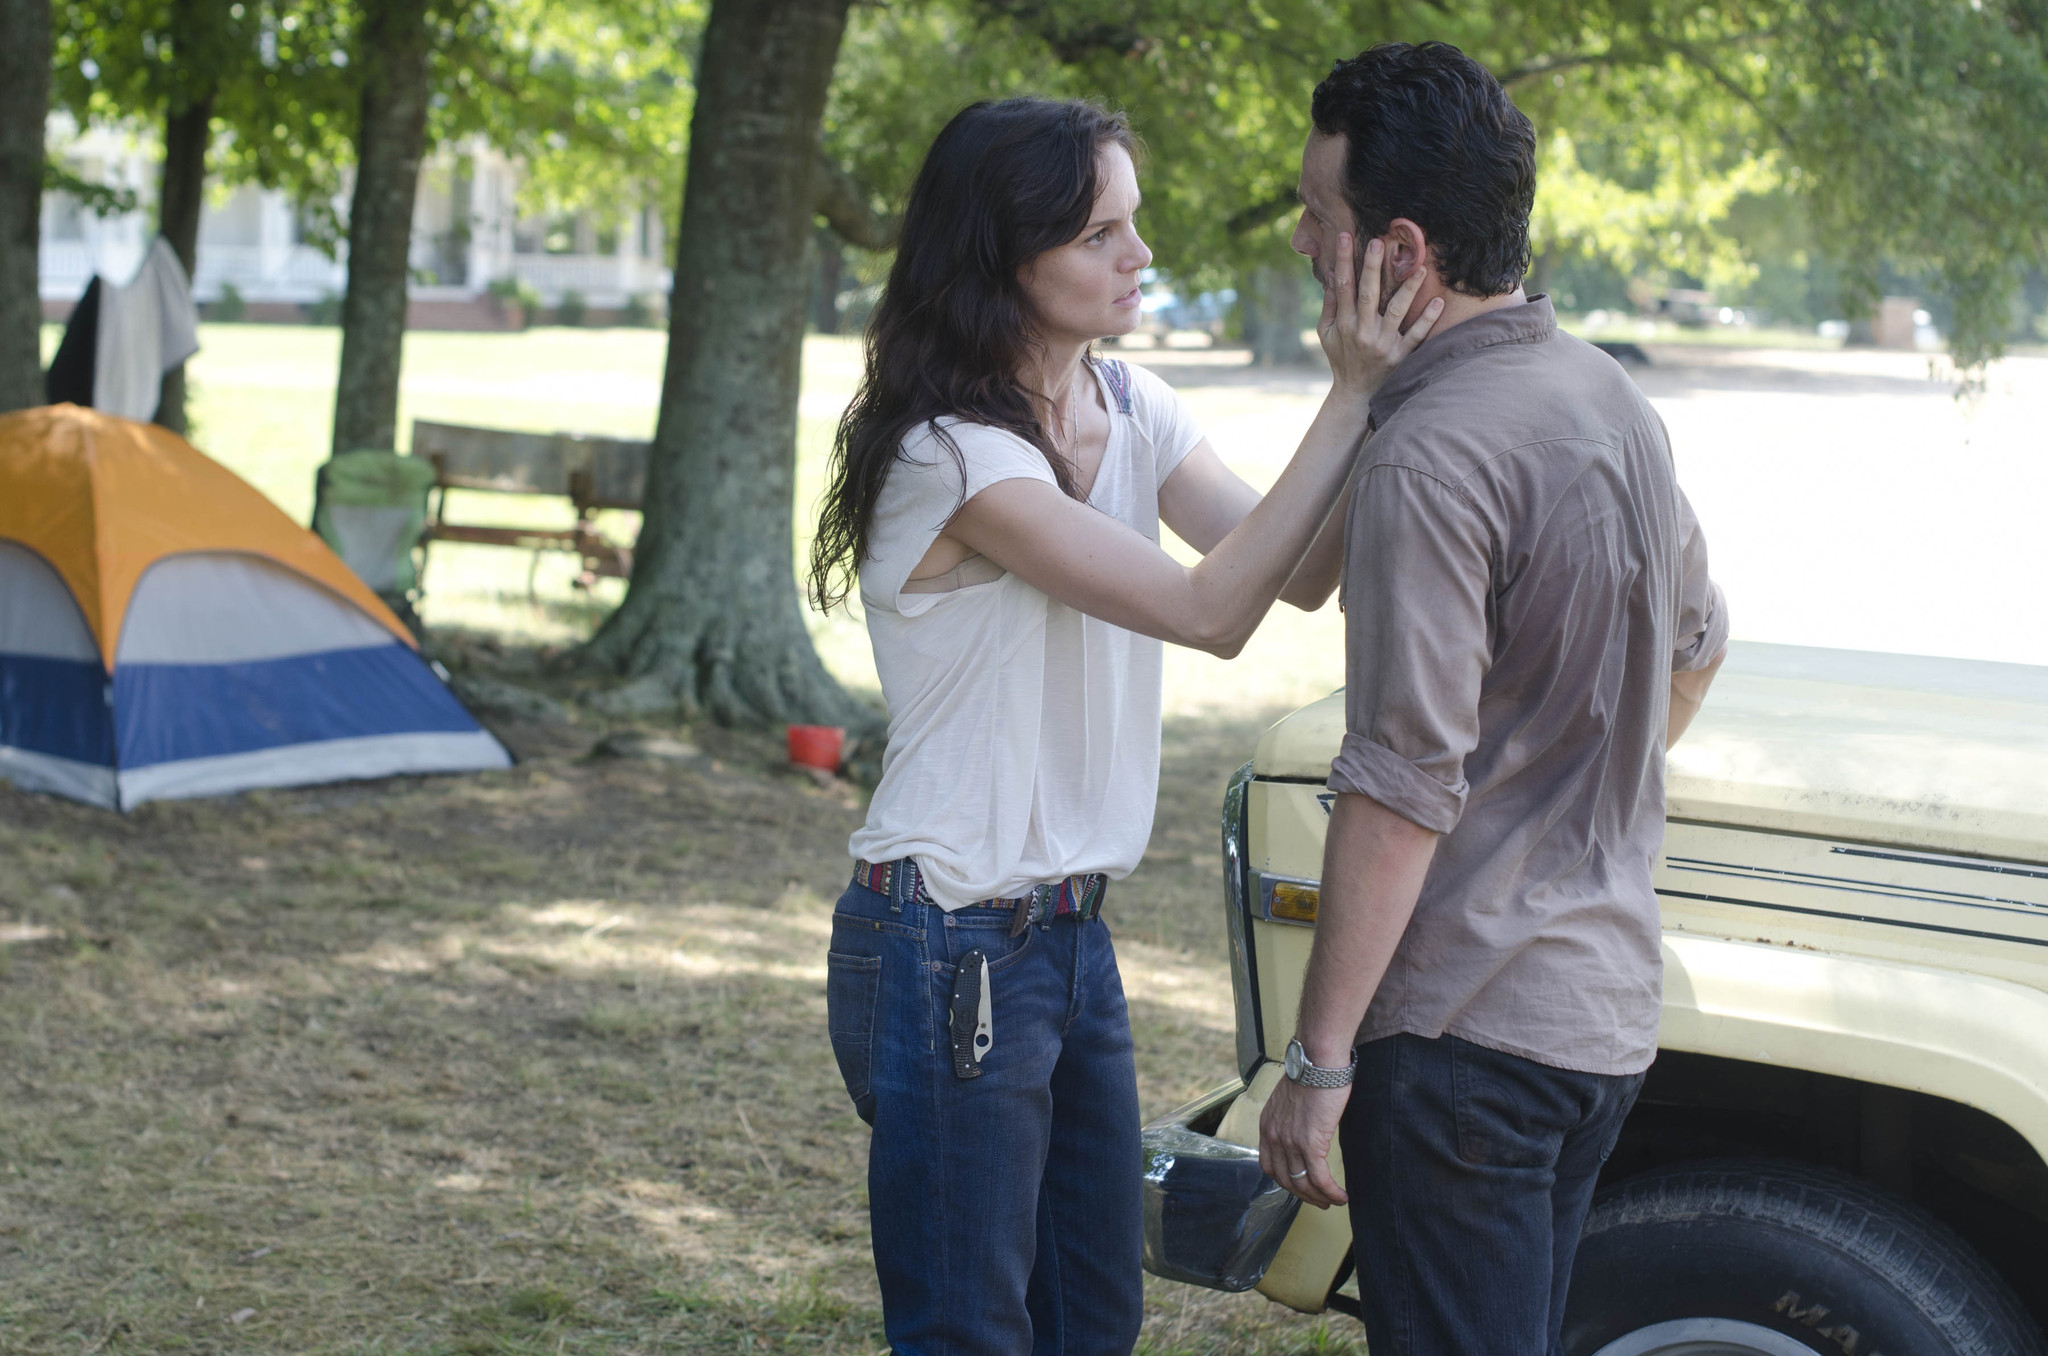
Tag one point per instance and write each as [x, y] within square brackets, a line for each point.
[1853, 502]
[1850, 500]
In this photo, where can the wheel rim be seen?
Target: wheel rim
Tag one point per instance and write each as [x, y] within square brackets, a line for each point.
[1704, 1337]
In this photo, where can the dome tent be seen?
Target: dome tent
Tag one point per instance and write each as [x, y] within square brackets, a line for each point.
[166, 631]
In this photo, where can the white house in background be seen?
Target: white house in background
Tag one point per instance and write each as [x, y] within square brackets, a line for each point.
[467, 234]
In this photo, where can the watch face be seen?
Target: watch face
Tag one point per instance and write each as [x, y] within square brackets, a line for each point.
[1294, 1059]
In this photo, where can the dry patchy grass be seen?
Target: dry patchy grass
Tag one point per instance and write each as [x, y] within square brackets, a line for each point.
[527, 1062]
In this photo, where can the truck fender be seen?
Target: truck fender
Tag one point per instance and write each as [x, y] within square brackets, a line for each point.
[1970, 1039]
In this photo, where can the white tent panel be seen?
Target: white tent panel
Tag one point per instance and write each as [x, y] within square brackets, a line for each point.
[38, 616]
[60, 776]
[224, 608]
[331, 760]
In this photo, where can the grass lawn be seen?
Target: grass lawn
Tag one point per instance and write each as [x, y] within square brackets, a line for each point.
[531, 1061]
[526, 1062]
[535, 1061]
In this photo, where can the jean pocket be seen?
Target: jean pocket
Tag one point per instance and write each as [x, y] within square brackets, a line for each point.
[852, 985]
[998, 948]
[1509, 1115]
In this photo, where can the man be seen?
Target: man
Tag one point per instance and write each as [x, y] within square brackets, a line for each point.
[1529, 622]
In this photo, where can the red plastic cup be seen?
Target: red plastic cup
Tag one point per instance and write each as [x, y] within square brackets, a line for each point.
[818, 746]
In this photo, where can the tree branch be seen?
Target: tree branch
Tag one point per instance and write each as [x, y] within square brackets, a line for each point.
[1530, 70]
[1259, 213]
[1071, 42]
[1721, 78]
[845, 209]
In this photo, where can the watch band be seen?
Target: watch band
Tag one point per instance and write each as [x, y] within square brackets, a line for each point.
[1309, 1074]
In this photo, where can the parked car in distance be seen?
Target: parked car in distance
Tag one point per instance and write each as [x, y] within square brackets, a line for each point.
[1165, 312]
[1840, 1147]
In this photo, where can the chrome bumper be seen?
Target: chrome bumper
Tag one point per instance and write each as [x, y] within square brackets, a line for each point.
[1212, 1217]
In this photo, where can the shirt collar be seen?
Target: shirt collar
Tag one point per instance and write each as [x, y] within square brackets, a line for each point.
[1530, 322]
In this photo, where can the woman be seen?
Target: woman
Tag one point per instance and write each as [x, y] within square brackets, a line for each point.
[998, 492]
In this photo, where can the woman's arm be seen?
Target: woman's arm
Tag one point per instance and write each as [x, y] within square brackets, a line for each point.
[1204, 499]
[1099, 566]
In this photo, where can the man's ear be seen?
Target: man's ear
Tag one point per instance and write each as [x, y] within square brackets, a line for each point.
[1407, 251]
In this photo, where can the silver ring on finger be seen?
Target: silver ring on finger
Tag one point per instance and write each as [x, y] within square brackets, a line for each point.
[1297, 1176]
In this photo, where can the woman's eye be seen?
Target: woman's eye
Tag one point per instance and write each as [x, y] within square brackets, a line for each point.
[1099, 236]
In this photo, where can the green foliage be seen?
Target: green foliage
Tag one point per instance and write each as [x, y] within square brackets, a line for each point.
[231, 307]
[102, 200]
[571, 310]
[276, 71]
[517, 292]
[605, 93]
[1791, 151]
[1794, 154]
[325, 311]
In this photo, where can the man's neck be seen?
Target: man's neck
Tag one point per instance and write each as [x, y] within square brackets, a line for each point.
[1459, 307]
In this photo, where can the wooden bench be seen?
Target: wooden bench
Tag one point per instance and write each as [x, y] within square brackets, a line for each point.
[593, 473]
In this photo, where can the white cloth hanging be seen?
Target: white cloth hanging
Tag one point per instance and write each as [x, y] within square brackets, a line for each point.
[146, 328]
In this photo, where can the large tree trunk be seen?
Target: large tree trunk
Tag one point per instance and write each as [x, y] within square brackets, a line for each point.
[389, 144]
[1271, 296]
[180, 194]
[712, 617]
[825, 282]
[24, 106]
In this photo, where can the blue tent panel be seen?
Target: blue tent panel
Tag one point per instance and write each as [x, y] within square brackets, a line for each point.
[56, 707]
[168, 713]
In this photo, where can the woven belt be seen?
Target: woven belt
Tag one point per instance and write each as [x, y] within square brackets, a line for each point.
[1079, 895]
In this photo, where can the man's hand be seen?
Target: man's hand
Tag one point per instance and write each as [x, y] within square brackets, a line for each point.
[1294, 1140]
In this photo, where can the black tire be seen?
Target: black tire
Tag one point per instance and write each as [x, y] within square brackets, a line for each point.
[1760, 1258]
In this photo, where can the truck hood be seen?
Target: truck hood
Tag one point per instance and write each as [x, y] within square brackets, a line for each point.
[1946, 755]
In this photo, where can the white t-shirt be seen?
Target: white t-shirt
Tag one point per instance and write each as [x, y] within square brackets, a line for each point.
[1023, 735]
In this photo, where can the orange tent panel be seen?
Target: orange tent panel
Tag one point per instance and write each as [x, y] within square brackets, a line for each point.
[103, 498]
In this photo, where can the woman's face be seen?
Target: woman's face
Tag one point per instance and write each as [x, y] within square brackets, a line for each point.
[1088, 287]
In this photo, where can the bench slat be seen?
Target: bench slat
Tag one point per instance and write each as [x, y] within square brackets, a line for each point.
[512, 462]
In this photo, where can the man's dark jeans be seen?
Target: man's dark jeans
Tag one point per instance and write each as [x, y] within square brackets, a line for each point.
[1470, 1174]
[1006, 1209]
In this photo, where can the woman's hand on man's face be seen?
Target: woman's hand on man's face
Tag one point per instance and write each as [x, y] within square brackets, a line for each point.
[1363, 341]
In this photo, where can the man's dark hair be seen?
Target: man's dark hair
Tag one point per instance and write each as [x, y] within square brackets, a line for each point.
[1434, 138]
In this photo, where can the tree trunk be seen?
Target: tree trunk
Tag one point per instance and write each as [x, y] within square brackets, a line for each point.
[831, 268]
[1271, 297]
[711, 616]
[24, 106]
[180, 194]
[389, 145]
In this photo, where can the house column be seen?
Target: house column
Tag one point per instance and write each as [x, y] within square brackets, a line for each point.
[273, 243]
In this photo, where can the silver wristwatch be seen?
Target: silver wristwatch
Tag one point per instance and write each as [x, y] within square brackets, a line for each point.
[1315, 1076]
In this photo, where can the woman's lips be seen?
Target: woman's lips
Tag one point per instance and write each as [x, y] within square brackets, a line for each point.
[1127, 300]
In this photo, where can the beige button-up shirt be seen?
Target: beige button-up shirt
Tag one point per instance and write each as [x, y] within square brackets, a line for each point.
[1522, 577]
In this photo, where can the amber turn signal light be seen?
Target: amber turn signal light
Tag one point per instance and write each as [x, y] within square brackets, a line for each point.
[1296, 903]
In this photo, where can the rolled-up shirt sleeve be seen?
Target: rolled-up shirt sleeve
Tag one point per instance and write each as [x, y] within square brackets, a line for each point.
[1702, 625]
[1417, 577]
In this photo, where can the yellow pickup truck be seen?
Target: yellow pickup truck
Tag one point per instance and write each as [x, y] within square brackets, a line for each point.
[1841, 1146]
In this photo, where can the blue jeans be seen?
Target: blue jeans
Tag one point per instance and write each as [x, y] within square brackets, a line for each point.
[1005, 1208]
[1471, 1172]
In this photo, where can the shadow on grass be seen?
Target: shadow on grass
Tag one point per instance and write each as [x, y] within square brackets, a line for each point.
[529, 1061]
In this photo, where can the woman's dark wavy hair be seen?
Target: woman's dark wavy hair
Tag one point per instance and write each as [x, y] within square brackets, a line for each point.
[1003, 183]
[1432, 136]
